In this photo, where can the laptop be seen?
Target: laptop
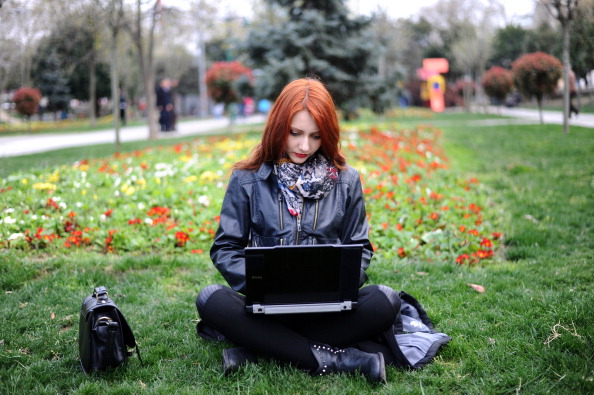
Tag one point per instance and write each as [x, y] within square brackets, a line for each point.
[302, 278]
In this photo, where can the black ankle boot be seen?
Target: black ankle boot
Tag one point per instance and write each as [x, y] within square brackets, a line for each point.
[335, 360]
[233, 358]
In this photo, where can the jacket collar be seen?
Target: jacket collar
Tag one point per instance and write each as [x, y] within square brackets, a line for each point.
[265, 170]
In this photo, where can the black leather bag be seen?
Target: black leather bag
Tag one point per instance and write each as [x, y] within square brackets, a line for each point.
[104, 336]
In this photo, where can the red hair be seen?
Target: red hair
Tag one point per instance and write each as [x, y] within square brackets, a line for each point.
[303, 94]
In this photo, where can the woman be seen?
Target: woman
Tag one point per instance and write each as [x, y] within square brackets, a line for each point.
[296, 188]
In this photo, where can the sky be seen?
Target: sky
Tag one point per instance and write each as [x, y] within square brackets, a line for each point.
[395, 8]
[407, 8]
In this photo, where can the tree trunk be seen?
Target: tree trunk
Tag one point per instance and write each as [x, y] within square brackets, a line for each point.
[115, 98]
[566, 71]
[92, 91]
[539, 101]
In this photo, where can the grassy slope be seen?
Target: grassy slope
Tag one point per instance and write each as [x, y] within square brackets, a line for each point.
[498, 337]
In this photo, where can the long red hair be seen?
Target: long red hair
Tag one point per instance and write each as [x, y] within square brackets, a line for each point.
[302, 94]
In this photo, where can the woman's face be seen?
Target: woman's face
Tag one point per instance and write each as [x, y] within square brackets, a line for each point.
[304, 137]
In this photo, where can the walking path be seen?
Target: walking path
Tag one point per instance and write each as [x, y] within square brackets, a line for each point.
[29, 144]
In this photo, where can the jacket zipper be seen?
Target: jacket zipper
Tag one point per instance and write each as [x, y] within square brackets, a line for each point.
[315, 224]
[280, 215]
[280, 211]
[299, 223]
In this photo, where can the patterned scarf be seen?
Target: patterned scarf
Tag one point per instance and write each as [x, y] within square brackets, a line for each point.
[312, 179]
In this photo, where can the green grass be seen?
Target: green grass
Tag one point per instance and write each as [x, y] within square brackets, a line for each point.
[530, 332]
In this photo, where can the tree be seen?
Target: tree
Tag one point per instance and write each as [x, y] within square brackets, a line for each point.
[537, 74]
[498, 83]
[74, 40]
[27, 101]
[509, 43]
[114, 15]
[318, 38]
[563, 11]
[49, 76]
[221, 79]
[144, 42]
[581, 45]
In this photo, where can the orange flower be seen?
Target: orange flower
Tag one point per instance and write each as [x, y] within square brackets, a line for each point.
[401, 252]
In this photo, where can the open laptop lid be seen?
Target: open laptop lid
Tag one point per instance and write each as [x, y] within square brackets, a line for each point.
[302, 278]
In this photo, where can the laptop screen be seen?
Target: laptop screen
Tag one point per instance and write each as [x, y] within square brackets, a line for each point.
[302, 274]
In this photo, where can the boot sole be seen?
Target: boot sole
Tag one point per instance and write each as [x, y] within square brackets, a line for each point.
[382, 376]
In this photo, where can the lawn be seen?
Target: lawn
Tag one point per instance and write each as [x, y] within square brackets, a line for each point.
[530, 332]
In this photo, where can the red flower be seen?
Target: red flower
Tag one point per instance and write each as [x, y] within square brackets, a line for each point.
[108, 212]
[462, 259]
[158, 211]
[483, 254]
[486, 243]
[401, 252]
[415, 178]
[182, 238]
[51, 203]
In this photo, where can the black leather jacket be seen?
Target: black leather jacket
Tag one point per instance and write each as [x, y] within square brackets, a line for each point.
[254, 213]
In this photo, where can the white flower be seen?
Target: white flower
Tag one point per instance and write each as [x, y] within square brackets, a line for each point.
[9, 210]
[34, 217]
[9, 220]
[15, 236]
[117, 193]
[203, 200]
[79, 204]
[148, 221]
[141, 206]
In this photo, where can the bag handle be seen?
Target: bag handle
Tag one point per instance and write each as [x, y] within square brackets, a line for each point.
[100, 293]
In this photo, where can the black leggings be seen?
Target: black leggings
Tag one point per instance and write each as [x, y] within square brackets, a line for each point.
[286, 337]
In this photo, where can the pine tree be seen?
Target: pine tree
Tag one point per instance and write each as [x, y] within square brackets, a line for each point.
[50, 79]
[317, 39]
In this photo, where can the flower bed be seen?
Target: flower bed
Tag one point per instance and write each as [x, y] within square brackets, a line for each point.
[167, 199]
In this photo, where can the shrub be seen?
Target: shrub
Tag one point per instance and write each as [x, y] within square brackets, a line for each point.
[27, 100]
[536, 74]
[498, 82]
[221, 79]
